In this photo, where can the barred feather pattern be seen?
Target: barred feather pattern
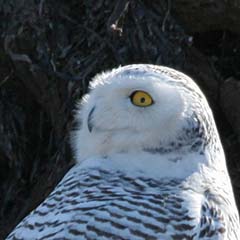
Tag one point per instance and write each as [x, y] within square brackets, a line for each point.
[100, 204]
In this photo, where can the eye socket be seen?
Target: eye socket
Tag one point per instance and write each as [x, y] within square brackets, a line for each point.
[141, 98]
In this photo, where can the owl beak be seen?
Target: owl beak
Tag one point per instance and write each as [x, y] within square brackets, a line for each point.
[90, 119]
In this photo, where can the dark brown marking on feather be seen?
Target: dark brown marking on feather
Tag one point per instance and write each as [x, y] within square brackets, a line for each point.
[133, 219]
[76, 232]
[100, 232]
[155, 228]
[183, 227]
[142, 234]
[50, 235]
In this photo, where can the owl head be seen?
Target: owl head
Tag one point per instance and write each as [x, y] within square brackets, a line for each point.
[146, 108]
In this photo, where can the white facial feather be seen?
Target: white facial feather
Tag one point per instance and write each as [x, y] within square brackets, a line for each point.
[118, 126]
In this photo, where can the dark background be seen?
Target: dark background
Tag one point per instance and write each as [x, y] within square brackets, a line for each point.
[49, 50]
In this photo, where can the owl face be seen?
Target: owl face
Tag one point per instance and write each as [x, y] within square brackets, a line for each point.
[136, 103]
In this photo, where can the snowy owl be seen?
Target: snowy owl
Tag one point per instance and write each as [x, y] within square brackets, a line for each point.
[150, 165]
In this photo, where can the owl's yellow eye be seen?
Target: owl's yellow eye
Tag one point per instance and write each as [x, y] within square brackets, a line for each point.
[141, 99]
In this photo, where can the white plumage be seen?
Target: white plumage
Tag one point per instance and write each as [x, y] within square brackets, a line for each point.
[150, 165]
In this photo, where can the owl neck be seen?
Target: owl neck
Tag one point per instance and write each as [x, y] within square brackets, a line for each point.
[156, 166]
[157, 162]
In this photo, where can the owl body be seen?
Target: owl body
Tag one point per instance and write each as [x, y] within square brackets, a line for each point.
[150, 165]
[102, 203]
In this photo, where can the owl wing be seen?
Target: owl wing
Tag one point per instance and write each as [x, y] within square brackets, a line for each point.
[97, 204]
[219, 219]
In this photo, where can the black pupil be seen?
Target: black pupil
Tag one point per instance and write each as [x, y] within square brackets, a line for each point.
[142, 100]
